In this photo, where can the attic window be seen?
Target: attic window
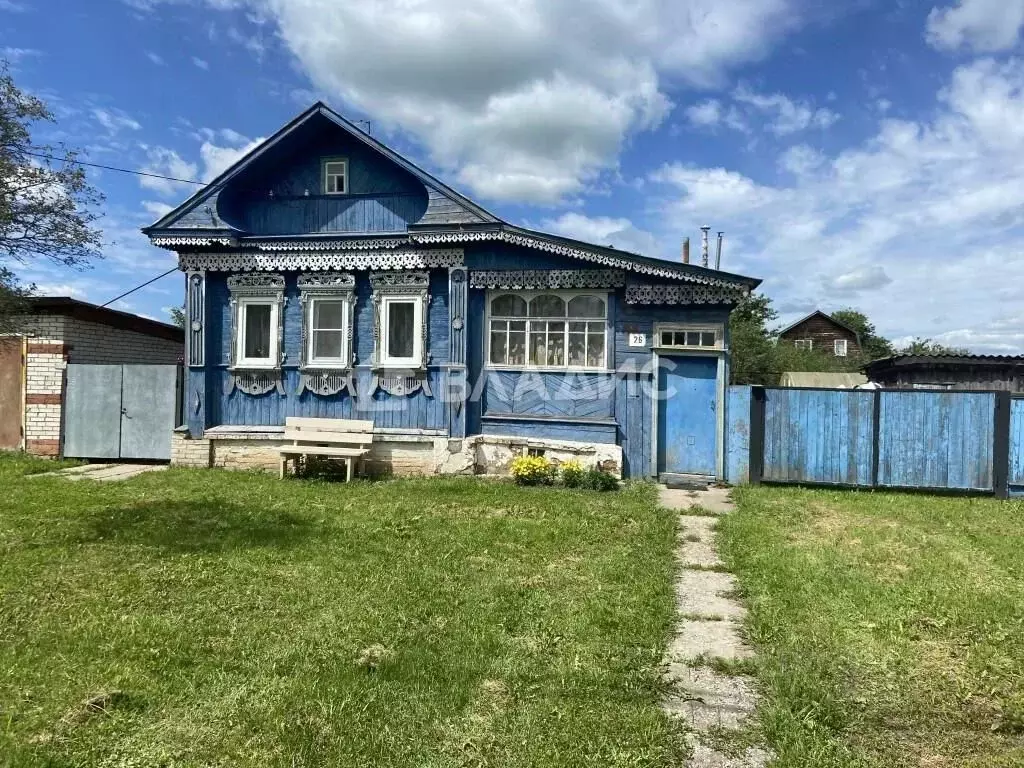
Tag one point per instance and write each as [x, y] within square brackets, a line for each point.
[335, 177]
[804, 344]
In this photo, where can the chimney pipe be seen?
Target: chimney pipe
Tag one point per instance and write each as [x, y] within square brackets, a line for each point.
[686, 250]
[704, 245]
[718, 252]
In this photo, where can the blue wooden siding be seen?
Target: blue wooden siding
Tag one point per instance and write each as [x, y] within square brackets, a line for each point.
[818, 436]
[936, 440]
[737, 435]
[579, 395]
[416, 411]
[633, 409]
[551, 430]
[282, 194]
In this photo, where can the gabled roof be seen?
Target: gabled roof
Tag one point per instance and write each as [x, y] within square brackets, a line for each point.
[433, 184]
[114, 318]
[817, 313]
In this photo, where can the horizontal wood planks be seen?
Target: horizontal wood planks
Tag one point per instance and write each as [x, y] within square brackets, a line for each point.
[818, 436]
[936, 440]
[551, 430]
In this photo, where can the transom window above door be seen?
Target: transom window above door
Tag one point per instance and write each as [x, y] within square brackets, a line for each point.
[548, 329]
[689, 336]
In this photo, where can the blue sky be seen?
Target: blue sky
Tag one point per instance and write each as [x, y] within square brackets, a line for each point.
[868, 155]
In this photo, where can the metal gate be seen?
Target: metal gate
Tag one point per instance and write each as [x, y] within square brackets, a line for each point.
[120, 411]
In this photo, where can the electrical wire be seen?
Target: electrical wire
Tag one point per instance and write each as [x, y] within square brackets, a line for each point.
[137, 287]
[114, 168]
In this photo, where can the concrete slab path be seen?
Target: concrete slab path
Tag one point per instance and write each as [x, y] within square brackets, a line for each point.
[708, 628]
[104, 472]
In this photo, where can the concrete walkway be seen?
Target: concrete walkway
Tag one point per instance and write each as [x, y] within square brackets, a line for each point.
[104, 472]
[708, 628]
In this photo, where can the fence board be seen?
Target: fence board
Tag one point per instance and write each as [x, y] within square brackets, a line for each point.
[818, 436]
[936, 440]
[1017, 442]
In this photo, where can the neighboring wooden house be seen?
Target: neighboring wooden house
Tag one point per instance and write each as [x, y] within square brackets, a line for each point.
[57, 331]
[330, 277]
[824, 333]
[957, 372]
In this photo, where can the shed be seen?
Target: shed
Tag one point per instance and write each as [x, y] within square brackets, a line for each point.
[59, 330]
[954, 372]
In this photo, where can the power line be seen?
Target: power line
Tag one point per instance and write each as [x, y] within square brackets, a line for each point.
[115, 168]
[137, 287]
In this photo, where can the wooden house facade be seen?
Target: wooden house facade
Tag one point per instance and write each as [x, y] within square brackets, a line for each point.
[824, 334]
[1003, 373]
[327, 276]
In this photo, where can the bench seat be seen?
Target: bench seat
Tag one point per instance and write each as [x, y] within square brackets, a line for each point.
[346, 439]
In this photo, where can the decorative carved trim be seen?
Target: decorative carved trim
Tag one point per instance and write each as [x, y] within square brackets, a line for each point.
[173, 241]
[640, 293]
[241, 261]
[257, 285]
[415, 284]
[326, 383]
[195, 318]
[457, 308]
[547, 278]
[256, 382]
[327, 245]
[401, 383]
[331, 285]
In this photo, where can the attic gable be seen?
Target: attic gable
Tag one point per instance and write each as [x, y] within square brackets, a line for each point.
[211, 209]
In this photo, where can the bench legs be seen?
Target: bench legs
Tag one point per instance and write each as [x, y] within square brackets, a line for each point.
[350, 465]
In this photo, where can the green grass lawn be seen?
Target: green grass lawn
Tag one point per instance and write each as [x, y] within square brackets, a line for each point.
[890, 626]
[248, 621]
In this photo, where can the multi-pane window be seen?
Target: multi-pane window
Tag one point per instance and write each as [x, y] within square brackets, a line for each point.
[402, 332]
[839, 347]
[689, 337]
[328, 329]
[257, 337]
[804, 343]
[335, 177]
[548, 330]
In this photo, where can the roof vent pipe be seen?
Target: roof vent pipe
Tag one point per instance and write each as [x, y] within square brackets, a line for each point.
[704, 245]
[686, 250]
[718, 251]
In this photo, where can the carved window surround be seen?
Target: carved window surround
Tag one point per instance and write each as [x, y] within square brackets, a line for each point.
[257, 380]
[318, 378]
[388, 288]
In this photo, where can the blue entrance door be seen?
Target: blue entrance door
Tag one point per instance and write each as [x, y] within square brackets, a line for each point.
[687, 419]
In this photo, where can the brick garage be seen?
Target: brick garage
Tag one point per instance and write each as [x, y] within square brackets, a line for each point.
[58, 331]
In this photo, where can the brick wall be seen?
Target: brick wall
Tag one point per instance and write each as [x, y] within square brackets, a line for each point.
[189, 452]
[98, 344]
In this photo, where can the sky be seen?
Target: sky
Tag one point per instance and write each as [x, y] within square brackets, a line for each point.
[866, 153]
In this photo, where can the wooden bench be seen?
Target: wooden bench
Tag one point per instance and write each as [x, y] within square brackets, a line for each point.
[337, 438]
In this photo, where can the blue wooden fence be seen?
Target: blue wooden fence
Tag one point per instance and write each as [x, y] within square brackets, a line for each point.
[968, 441]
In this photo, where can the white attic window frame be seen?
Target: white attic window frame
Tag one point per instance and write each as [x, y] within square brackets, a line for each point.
[840, 347]
[330, 171]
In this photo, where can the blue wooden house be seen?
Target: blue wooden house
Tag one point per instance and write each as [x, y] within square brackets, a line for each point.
[328, 276]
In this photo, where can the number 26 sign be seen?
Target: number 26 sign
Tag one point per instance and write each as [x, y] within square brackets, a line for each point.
[638, 339]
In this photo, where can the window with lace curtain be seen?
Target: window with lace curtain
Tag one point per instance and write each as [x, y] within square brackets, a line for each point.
[548, 329]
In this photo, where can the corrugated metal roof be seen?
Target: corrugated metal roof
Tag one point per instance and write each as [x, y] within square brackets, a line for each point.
[822, 380]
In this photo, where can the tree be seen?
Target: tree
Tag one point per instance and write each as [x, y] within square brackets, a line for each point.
[177, 316]
[47, 207]
[921, 346]
[873, 346]
[753, 358]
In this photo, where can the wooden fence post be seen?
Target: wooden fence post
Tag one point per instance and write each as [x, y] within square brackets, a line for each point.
[876, 436]
[755, 464]
[1001, 446]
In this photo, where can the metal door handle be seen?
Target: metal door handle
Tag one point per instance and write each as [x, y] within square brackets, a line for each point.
[124, 412]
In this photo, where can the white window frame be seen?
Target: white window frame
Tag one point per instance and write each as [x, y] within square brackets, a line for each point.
[272, 361]
[386, 361]
[716, 328]
[312, 361]
[326, 164]
[566, 296]
[840, 344]
[807, 344]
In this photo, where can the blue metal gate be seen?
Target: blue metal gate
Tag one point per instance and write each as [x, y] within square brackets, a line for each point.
[120, 411]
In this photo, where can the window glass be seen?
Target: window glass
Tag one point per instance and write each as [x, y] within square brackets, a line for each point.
[334, 177]
[401, 324]
[547, 305]
[328, 329]
[257, 332]
[707, 338]
[586, 306]
[508, 305]
[517, 342]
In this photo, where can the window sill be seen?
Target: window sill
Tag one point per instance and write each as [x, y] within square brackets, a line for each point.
[416, 367]
[250, 367]
[335, 367]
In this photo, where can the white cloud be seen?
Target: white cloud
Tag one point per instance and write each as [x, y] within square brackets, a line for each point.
[707, 113]
[166, 162]
[15, 55]
[73, 290]
[604, 230]
[981, 25]
[115, 120]
[156, 58]
[217, 159]
[786, 116]
[13, 7]
[923, 223]
[156, 209]
[201, 63]
[530, 101]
